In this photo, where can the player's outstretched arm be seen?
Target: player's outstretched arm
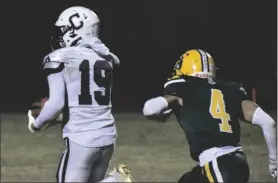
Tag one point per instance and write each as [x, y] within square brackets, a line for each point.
[55, 103]
[254, 114]
[158, 108]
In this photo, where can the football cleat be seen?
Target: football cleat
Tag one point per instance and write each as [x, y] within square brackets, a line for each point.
[121, 173]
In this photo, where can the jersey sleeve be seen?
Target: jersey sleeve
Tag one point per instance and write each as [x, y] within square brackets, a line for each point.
[242, 93]
[174, 86]
[55, 102]
[52, 63]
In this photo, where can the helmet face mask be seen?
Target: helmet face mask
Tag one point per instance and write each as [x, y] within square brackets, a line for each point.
[56, 40]
[75, 25]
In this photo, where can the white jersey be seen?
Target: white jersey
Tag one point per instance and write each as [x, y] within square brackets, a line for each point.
[88, 78]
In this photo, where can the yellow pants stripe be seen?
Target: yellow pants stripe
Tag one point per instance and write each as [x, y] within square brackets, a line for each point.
[208, 173]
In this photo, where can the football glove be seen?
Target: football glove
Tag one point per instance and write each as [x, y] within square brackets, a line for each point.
[31, 121]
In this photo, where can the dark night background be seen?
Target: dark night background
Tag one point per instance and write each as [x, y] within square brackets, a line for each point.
[148, 37]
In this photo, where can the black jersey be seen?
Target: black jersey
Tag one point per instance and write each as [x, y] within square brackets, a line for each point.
[209, 116]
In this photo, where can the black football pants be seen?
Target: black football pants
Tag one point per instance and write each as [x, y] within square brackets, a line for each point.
[229, 168]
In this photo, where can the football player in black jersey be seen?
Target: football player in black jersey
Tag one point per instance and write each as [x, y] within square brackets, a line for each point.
[208, 110]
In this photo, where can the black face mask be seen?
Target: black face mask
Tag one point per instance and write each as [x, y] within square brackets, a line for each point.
[56, 40]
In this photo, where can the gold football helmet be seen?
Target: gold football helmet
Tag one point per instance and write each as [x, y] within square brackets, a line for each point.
[197, 63]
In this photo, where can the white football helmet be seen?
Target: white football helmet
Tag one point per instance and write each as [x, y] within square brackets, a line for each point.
[75, 25]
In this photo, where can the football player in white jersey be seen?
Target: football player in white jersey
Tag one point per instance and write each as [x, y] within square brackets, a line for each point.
[81, 67]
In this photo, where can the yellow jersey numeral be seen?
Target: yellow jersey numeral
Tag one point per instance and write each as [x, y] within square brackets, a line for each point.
[218, 110]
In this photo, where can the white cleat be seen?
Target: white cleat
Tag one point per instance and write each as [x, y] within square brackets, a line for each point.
[121, 173]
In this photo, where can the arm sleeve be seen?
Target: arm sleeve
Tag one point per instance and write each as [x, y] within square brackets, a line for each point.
[56, 101]
[268, 126]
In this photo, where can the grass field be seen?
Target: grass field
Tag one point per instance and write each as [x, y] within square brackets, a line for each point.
[153, 151]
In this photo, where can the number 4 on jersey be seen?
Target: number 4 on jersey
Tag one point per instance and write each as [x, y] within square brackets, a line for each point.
[218, 110]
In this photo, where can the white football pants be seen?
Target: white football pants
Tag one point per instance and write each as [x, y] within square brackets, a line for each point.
[83, 164]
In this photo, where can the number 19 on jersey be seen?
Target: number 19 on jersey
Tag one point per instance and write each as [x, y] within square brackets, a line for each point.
[103, 79]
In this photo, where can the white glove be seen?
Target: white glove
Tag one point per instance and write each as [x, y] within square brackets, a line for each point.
[273, 168]
[31, 122]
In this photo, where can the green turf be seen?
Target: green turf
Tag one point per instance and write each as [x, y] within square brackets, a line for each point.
[154, 152]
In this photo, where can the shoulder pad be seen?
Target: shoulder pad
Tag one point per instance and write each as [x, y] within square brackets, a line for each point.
[242, 92]
[243, 89]
[54, 59]
[174, 79]
[60, 55]
[51, 65]
[238, 86]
